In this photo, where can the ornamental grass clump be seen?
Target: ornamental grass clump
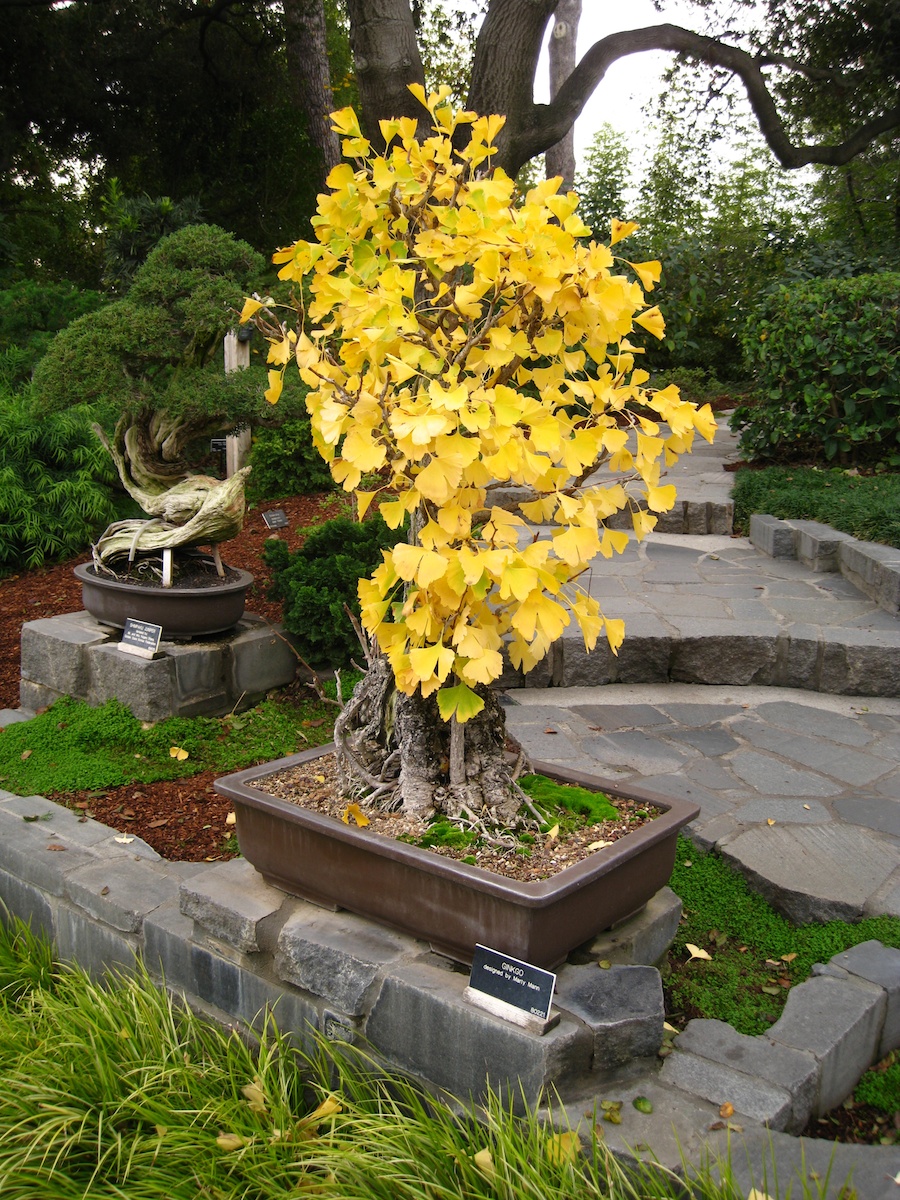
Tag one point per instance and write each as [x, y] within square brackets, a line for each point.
[456, 340]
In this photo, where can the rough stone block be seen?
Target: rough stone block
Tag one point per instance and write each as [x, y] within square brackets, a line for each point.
[337, 956]
[888, 593]
[54, 651]
[721, 519]
[718, 1083]
[259, 658]
[716, 651]
[584, 668]
[35, 851]
[28, 903]
[793, 1071]
[861, 562]
[818, 545]
[233, 904]
[879, 965]
[167, 935]
[840, 1023]
[696, 517]
[646, 653]
[421, 1023]
[120, 891]
[622, 1005]
[641, 940]
[771, 536]
[237, 988]
[798, 657]
[96, 948]
[147, 686]
[860, 662]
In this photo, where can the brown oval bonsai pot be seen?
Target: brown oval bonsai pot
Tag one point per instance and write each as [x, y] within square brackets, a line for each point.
[450, 904]
[181, 611]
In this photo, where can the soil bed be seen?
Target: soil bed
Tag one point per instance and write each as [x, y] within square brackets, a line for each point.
[313, 786]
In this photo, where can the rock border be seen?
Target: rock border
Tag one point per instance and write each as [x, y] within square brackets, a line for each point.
[235, 948]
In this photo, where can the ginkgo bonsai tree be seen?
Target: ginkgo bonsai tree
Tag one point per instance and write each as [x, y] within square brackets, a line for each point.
[457, 337]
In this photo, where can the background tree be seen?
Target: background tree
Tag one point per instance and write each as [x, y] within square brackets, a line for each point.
[602, 183]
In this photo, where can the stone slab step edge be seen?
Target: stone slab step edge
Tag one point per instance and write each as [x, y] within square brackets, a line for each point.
[869, 566]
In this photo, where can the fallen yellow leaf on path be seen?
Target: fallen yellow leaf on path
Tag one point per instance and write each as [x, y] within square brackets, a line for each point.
[696, 952]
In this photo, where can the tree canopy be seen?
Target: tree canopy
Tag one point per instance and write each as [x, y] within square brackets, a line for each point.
[790, 67]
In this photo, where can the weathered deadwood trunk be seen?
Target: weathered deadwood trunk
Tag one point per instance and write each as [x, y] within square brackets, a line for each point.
[398, 747]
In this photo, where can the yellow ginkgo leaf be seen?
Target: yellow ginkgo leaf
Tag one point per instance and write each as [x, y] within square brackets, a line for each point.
[552, 834]
[485, 1163]
[232, 1141]
[250, 309]
[598, 845]
[253, 1093]
[354, 811]
[178, 752]
[563, 1148]
[696, 952]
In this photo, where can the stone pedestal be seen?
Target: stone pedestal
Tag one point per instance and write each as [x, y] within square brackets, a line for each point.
[75, 655]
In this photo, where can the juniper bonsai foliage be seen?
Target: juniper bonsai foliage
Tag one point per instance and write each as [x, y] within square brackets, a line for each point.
[455, 340]
[153, 361]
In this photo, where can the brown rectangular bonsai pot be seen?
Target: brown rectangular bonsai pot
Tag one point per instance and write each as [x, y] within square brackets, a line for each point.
[451, 904]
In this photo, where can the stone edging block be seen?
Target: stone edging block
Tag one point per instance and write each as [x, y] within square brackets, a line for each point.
[870, 566]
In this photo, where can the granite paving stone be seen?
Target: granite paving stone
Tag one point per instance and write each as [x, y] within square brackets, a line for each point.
[768, 774]
[795, 812]
[849, 731]
[880, 813]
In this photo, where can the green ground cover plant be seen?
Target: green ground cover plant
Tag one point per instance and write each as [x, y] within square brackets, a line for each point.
[115, 1090]
[755, 954]
[865, 506]
[73, 747]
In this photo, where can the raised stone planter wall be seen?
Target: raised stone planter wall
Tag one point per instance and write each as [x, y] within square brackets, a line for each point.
[76, 655]
[236, 948]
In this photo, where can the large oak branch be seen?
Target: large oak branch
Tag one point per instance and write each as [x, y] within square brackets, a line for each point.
[535, 130]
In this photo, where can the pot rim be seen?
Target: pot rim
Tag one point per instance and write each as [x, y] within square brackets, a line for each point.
[242, 583]
[675, 813]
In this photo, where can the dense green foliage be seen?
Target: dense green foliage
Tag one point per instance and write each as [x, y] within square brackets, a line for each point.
[73, 747]
[31, 315]
[744, 937]
[865, 506]
[114, 1089]
[318, 580]
[827, 368]
[286, 463]
[55, 484]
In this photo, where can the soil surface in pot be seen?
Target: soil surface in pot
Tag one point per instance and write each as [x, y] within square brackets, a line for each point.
[186, 573]
[312, 785]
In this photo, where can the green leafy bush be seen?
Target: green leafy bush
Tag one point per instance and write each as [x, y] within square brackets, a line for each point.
[55, 484]
[827, 367]
[286, 463]
[32, 312]
[316, 581]
[865, 506]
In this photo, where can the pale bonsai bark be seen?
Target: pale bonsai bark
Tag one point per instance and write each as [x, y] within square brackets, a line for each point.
[396, 748]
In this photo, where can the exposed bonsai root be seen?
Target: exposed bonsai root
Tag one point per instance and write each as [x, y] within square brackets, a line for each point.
[396, 749]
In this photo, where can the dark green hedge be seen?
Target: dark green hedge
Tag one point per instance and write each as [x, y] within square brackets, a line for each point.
[826, 359]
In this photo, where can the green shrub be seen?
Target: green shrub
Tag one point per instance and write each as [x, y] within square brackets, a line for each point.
[285, 463]
[316, 581]
[55, 484]
[865, 506]
[32, 312]
[827, 368]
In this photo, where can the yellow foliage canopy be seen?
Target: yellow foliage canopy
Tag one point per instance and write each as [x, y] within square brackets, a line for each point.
[458, 336]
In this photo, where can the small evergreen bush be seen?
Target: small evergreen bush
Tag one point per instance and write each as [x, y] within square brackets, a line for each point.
[316, 581]
[827, 366]
[286, 463]
[55, 484]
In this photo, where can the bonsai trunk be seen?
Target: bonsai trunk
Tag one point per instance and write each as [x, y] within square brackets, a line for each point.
[392, 744]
